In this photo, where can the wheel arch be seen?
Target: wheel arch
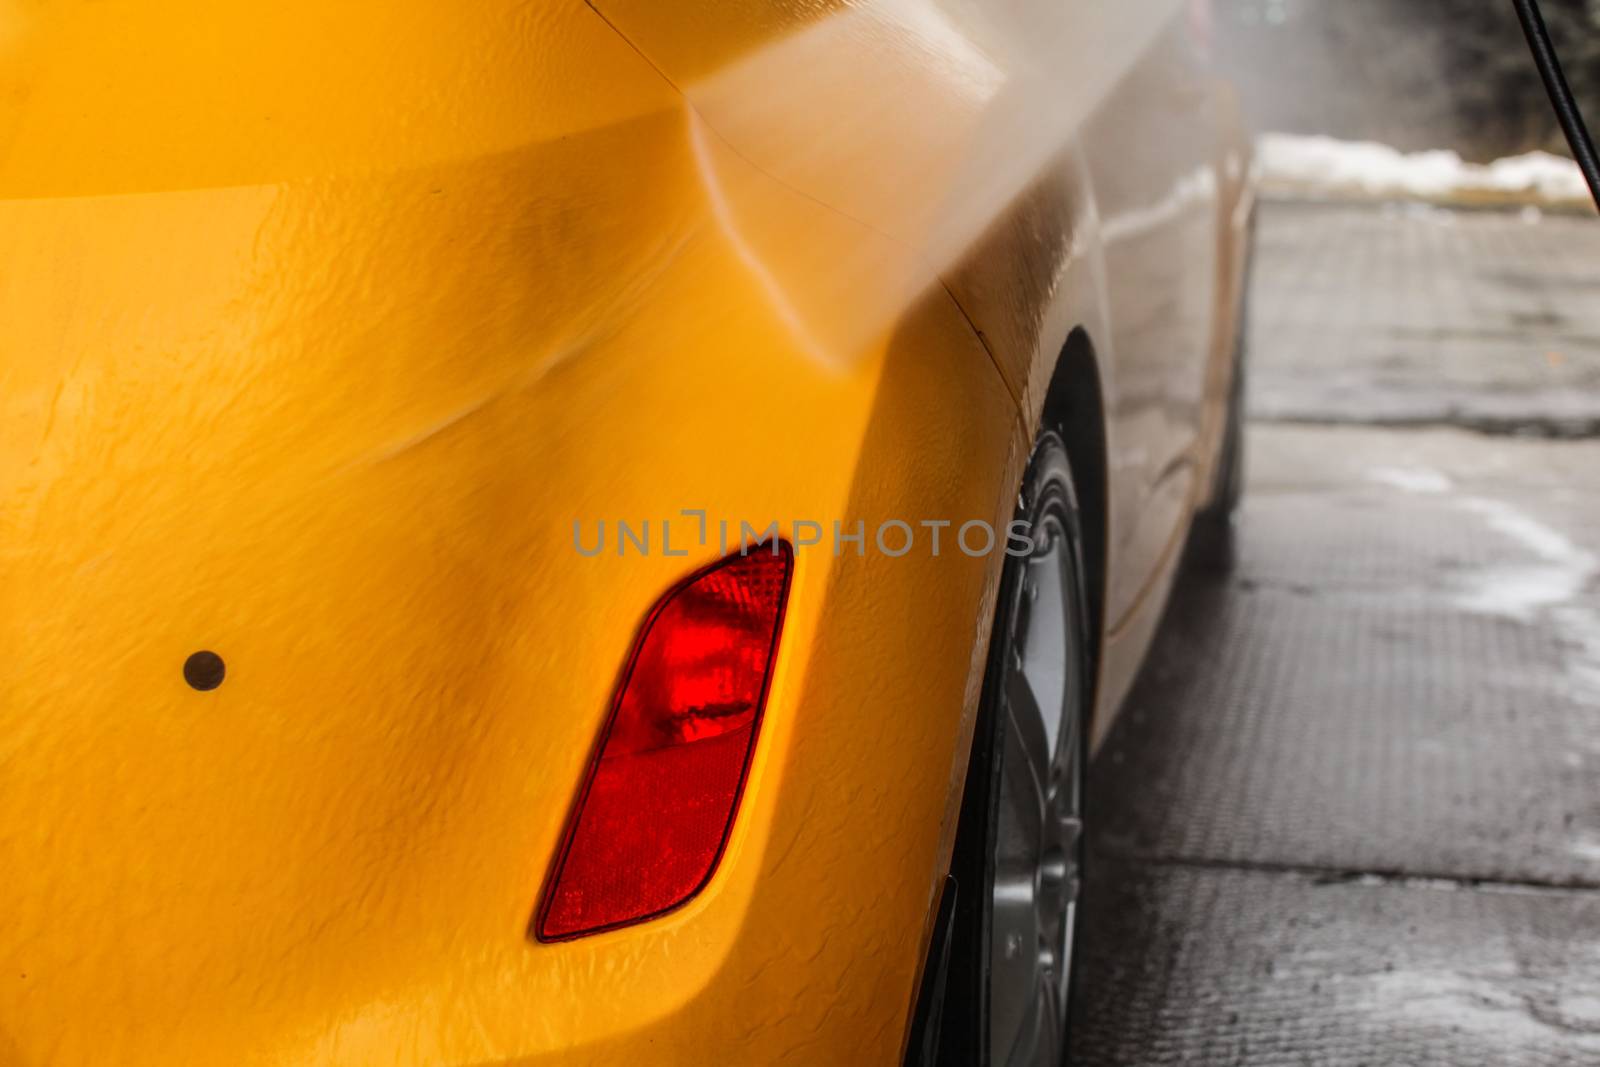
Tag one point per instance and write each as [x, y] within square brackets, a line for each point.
[1074, 407]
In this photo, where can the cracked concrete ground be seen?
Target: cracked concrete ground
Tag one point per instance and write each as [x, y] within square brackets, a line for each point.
[1351, 813]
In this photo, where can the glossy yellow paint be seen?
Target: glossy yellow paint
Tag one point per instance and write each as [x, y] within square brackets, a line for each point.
[320, 326]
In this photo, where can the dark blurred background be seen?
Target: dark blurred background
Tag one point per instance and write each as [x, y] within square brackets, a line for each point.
[1415, 74]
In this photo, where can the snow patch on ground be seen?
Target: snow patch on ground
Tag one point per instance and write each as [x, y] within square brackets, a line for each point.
[1557, 587]
[1587, 847]
[1327, 166]
[1554, 584]
[1487, 1004]
[1411, 479]
[1521, 591]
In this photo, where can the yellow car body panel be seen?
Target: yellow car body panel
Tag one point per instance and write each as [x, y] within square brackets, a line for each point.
[321, 326]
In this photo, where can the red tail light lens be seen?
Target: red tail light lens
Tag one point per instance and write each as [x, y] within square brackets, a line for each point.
[656, 808]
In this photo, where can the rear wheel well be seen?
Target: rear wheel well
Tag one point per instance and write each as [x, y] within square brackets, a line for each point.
[1074, 408]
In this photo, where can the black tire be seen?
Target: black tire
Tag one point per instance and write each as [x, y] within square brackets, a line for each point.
[966, 1031]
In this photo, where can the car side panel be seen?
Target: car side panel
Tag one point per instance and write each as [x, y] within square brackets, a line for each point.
[1131, 233]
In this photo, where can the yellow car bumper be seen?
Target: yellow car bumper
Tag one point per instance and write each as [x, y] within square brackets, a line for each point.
[314, 362]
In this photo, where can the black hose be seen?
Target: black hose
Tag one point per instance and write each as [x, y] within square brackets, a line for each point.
[1555, 83]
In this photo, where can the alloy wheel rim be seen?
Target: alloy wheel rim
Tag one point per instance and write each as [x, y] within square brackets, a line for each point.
[1039, 826]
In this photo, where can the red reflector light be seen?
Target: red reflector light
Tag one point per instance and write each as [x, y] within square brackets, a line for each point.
[655, 810]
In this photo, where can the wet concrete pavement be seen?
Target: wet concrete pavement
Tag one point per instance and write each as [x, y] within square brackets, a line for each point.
[1351, 813]
[1410, 314]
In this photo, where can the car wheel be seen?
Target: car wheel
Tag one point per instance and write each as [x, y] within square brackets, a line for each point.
[1019, 855]
[1212, 543]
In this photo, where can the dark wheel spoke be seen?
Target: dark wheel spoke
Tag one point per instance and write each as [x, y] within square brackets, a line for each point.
[1027, 725]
